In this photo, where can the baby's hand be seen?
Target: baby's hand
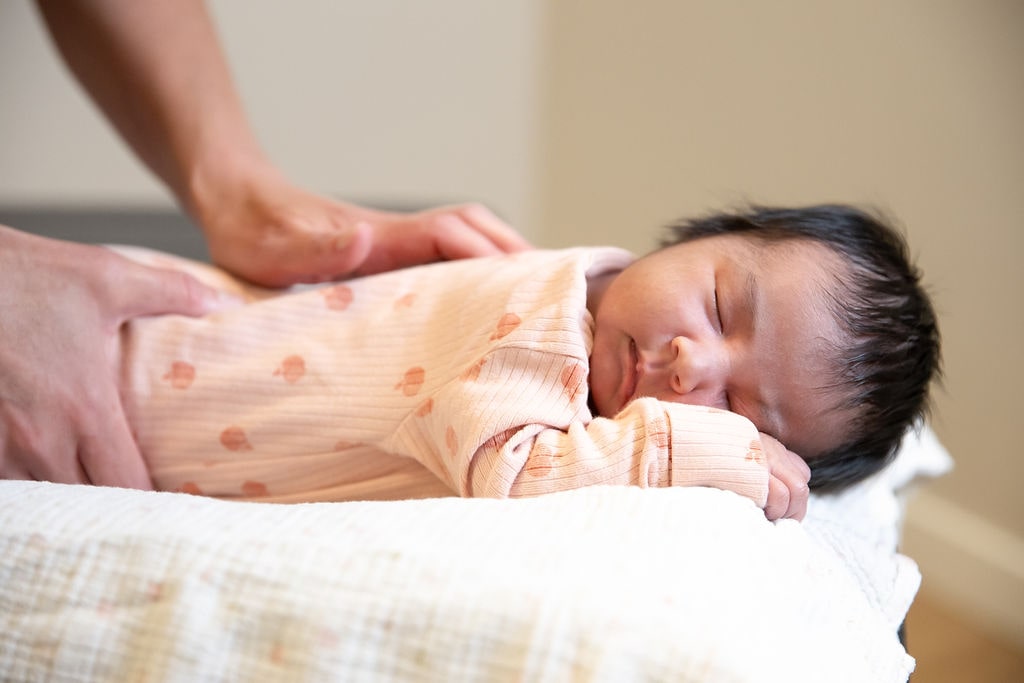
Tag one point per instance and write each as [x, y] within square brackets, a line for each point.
[788, 481]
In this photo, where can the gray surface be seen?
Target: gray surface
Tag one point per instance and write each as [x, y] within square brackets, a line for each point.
[164, 229]
[167, 230]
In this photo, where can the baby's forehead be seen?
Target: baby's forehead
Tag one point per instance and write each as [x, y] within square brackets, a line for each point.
[774, 241]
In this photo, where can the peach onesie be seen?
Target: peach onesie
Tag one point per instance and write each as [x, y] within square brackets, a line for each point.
[467, 377]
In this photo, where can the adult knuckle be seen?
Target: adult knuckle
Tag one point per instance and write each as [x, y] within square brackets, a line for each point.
[187, 288]
[478, 211]
[110, 277]
[23, 437]
[444, 221]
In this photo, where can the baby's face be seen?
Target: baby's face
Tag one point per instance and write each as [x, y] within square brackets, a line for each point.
[726, 322]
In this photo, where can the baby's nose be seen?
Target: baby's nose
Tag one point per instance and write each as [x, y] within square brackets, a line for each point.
[696, 366]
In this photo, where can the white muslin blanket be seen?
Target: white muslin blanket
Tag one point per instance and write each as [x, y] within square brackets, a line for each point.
[597, 584]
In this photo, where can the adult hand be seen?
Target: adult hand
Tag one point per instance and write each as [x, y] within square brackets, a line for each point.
[263, 228]
[61, 307]
[788, 483]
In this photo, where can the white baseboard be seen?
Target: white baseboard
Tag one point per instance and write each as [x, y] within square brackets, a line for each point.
[968, 562]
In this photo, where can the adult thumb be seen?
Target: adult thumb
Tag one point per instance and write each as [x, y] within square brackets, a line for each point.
[145, 290]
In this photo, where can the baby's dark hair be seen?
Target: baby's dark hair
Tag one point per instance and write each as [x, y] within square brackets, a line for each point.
[892, 349]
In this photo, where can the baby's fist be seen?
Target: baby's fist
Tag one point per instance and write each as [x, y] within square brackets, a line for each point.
[788, 481]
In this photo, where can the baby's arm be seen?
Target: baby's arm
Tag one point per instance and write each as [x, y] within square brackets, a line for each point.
[650, 443]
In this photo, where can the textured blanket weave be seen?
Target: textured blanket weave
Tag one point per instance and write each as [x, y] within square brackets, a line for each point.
[602, 583]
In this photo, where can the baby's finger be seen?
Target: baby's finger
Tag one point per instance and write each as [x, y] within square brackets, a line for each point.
[790, 472]
[799, 493]
[795, 485]
[778, 499]
[795, 475]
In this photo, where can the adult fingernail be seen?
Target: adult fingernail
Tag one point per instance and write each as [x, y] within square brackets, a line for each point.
[223, 301]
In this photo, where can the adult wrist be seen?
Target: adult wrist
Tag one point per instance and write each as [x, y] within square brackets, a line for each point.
[221, 178]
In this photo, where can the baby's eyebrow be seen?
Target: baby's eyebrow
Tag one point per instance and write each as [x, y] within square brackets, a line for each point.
[770, 419]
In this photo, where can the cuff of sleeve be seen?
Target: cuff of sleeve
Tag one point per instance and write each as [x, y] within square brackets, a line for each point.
[711, 447]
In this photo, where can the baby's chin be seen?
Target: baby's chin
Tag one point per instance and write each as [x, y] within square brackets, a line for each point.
[592, 402]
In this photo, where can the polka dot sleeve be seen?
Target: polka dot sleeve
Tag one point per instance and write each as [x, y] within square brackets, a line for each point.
[649, 444]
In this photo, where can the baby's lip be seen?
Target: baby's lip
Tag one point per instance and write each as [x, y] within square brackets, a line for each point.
[630, 375]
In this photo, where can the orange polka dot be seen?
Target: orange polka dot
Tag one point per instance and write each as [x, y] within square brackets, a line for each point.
[472, 373]
[540, 462]
[498, 441]
[506, 325]
[277, 654]
[291, 369]
[155, 591]
[573, 380]
[451, 439]
[190, 487]
[405, 301]
[338, 297]
[755, 453]
[254, 489]
[658, 432]
[234, 439]
[424, 408]
[181, 375]
[412, 381]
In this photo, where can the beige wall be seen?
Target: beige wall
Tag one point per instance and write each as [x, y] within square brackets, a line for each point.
[385, 100]
[657, 108]
[597, 121]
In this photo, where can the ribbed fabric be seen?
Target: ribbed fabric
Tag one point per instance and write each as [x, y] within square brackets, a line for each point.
[468, 377]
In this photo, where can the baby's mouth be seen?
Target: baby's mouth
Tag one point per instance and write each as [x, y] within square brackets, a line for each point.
[630, 375]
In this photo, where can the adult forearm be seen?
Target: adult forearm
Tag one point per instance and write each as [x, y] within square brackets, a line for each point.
[157, 71]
